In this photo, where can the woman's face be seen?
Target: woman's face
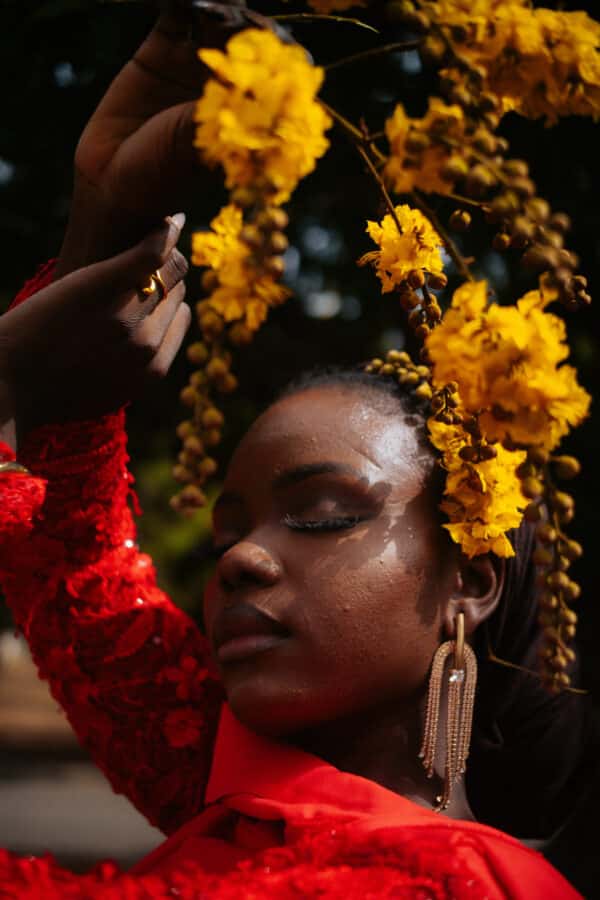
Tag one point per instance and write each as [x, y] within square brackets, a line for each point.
[328, 594]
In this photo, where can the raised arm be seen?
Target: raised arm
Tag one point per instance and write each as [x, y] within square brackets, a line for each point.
[128, 666]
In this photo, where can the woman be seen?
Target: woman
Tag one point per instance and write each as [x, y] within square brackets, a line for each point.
[333, 589]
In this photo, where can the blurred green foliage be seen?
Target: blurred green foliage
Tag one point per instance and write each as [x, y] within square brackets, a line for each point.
[56, 59]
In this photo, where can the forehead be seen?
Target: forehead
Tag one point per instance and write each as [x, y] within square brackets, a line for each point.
[331, 423]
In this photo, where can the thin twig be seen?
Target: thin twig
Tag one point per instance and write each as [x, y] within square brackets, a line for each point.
[453, 251]
[308, 17]
[466, 201]
[375, 51]
[355, 133]
[361, 141]
[511, 665]
[382, 187]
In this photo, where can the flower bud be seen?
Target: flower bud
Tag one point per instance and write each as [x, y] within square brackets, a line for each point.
[546, 533]
[532, 512]
[410, 300]
[423, 391]
[562, 501]
[208, 466]
[532, 487]
[571, 549]
[188, 395]
[212, 418]
[278, 242]
[212, 437]
[566, 466]
[437, 280]
[192, 496]
[197, 353]
[216, 368]
[416, 278]
[227, 383]
[460, 220]
[193, 445]
[182, 475]
[501, 241]
[185, 430]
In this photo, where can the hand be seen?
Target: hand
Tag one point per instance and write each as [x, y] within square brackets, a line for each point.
[89, 342]
[135, 160]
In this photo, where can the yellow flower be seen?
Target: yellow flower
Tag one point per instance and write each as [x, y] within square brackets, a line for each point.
[244, 291]
[259, 116]
[508, 362]
[484, 500]
[417, 247]
[426, 176]
[539, 62]
[221, 248]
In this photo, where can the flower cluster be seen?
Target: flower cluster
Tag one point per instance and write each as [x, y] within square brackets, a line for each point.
[504, 400]
[506, 361]
[244, 287]
[539, 62]
[407, 241]
[452, 150]
[258, 116]
[260, 120]
[409, 261]
[421, 149]
[483, 495]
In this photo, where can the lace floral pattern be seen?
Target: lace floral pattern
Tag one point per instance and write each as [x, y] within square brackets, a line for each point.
[328, 864]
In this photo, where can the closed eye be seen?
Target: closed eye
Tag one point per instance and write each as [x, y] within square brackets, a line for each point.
[337, 523]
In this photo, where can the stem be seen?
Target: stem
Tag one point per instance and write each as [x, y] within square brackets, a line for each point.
[353, 132]
[510, 665]
[466, 201]
[382, 187]
[309, 17]
[375, 51]
[453, 251]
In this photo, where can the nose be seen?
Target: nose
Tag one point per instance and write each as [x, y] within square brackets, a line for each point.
[247, 564]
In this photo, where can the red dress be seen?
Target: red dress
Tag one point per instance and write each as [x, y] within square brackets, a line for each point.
[246, 817]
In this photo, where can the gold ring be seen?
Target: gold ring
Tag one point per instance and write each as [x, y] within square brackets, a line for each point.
[155, 283]
[13, 468]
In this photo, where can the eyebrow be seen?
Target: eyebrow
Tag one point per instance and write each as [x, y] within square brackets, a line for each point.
[295, 476]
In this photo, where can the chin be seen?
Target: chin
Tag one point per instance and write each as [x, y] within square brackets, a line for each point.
[271, 706]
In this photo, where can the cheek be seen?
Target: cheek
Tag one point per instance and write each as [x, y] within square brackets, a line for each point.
[372, 623]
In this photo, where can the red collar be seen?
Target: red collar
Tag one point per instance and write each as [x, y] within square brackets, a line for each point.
[267, 778]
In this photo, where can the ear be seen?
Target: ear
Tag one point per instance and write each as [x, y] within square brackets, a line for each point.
[478, 588]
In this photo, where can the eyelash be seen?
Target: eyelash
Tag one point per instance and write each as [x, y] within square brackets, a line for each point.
[335, 524]
[339, 523]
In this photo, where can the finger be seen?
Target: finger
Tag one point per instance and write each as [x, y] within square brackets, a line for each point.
[152, 330]
[130, 270]
[173, 340]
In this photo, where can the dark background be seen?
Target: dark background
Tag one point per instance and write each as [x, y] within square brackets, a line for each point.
[57, 58]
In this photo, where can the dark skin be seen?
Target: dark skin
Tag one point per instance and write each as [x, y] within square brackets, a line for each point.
[135, 162]
[91, 341]
[367, 596]
[366, 593]
[365, 604]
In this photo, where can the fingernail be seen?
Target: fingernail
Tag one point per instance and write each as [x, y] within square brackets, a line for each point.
[178, 220]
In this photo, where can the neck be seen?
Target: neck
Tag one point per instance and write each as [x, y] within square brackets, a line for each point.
[383, 746]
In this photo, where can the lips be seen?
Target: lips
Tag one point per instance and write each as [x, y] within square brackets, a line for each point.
[241, 631]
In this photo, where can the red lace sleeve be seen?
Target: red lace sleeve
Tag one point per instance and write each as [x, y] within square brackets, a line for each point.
[128, 666]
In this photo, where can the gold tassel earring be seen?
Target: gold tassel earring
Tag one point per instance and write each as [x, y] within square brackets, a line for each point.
[462, 680]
